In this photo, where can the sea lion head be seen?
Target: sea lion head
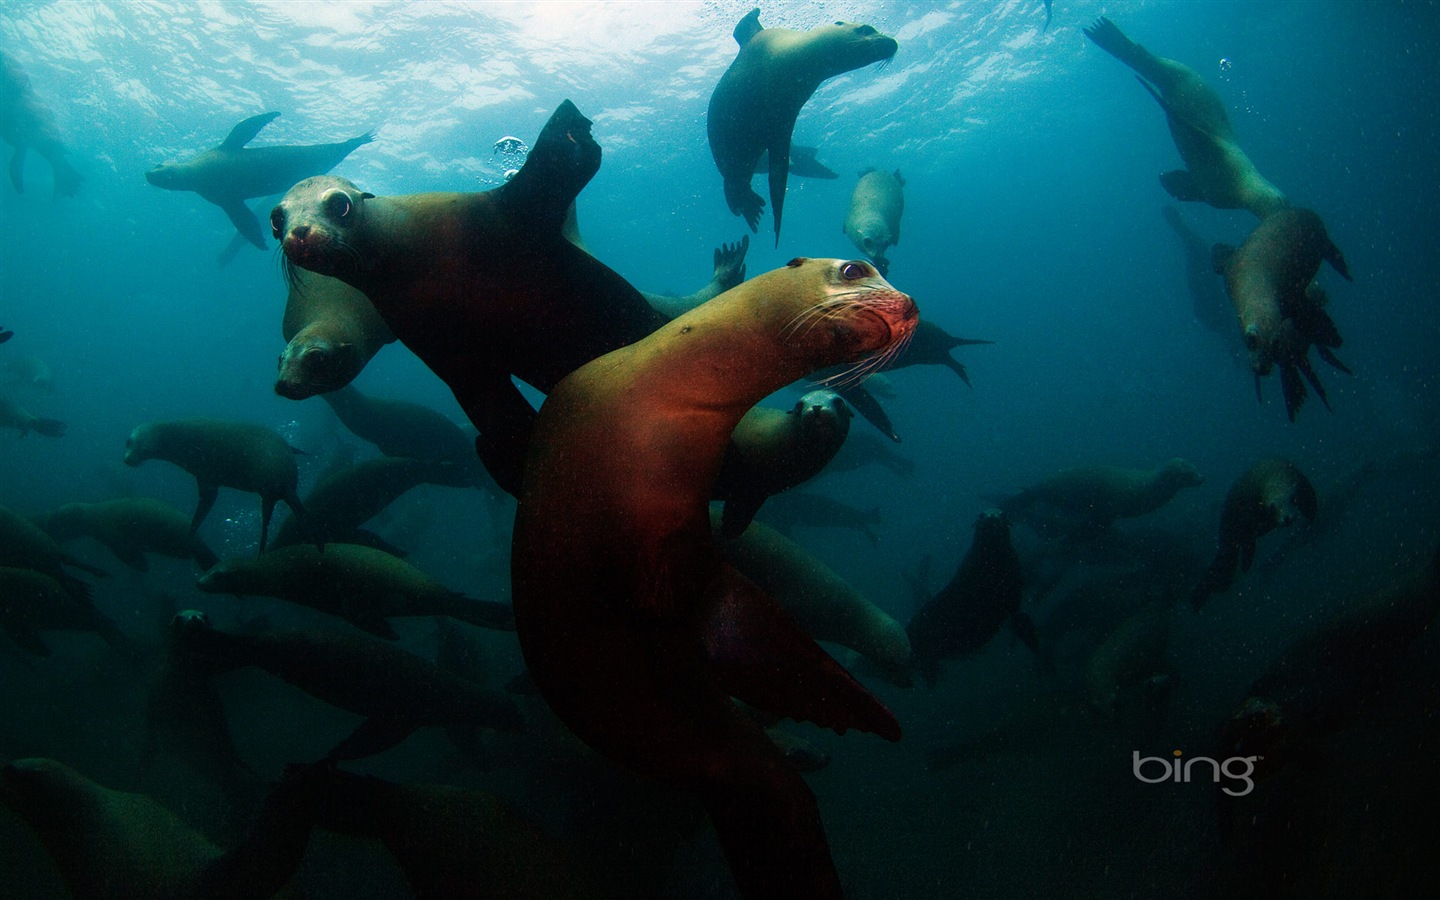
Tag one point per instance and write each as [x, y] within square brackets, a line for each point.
[1288, 495]
[823, 417]
[140, 445]
[1182, 473]
[315, 221]
[844, 46]
[853, 314]
[992, 524]
[310, 366]
[169, 176]
[223, 578]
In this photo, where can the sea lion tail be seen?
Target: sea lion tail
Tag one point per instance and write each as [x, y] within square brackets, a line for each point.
[49, 427]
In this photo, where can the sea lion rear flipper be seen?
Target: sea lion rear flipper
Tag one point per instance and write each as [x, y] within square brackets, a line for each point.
[1181, 185]
[244, 221]
[739, 511]
[764, 658]
[748, 27]
[1332, 359]
[374, 735]
[779, 174]
[17, 169]
[1309, 372]
[864, 402]
[1293, 389]
[245, 132]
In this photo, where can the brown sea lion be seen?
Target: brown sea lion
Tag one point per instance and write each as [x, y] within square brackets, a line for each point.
[231, 173]
[1269, 280]
[1216, 170]
[1272, 494]
[13, 415]
[331, 330]
[481, 286]
[28, 124]
[802, 509]
[229, 454]
[755, 104]
[873, 221]
[776, 450]
[1093, 497]
[360, 584]
[1208, 304]
[32, 602]
[26, 545]
[634, 630]
[131, 527]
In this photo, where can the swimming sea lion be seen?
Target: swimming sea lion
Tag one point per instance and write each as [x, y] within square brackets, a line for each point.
[231, 173]
[1208, 303]
[803, 164]
[1128, 656]
[481, 286]
[229, 454]
[873, 222]
[131, 527]
[777, 450]
[25, 124]
[931, 347]
[360, 584]
[25, 545]
[32, 602]
[13, 415]
[1093, 497]
[797, 509]
[1269, 280]
[729, 271]
[1272, 494]
[757, 100]
[983, 595]
[5, 335]
[1216, 170]
[30, 371]
[635, 632]
[331, 330]
[863, 449]
[394, 689]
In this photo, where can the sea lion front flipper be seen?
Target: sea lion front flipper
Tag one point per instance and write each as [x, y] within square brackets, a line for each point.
[1308, 371]
[763, 657]
[748, 27]
[739, 511]
[1217, 577]
[1293, 389]
[1181, 185]
[245, 132]
[244, 221]
[779, 147]
[864, 402]
[208, 493]
[17, 169]
[374, 735]
[505, 419]
[1332, 359]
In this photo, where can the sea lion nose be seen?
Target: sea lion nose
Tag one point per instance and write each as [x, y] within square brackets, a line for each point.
[299, 233]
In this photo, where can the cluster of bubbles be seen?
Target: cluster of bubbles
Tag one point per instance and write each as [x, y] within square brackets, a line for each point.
[512, 152]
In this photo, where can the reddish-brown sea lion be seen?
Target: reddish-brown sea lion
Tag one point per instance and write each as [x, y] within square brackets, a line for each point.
[634, 630]
[27, 124]
[1271, 495]
[331, 332]
[231, 173]
[757, 100]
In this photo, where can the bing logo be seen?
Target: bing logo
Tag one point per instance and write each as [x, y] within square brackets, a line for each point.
[1236, 768]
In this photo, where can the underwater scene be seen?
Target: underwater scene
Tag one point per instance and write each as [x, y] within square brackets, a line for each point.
[506, 449]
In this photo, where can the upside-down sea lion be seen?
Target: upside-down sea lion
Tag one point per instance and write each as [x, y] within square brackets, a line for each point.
[13, 415]
[633, 629]
[362, 585]
[229, 454]
[757, 100]
[231, 173]
[131, 527]
[28, 124]
[1216, 170]
[1272, 494]
[1093, 497]
[873, 222]
[481, 286]
[776, 451]
[1281, 314]
[331, 331]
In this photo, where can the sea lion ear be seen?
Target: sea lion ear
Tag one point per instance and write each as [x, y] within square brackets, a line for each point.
[795, 263]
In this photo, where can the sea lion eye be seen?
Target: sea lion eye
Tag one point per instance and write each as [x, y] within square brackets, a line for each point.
[277, 222]
[854, 271]
[338, 205]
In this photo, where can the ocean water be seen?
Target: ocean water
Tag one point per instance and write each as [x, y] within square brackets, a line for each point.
[1033, 219]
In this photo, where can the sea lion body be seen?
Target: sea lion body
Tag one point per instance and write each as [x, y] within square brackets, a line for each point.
[25, 545]
[395, 690]
[1095, 496]
[755, 104]
[1216, 170]
[399, 428]
[481, 286]
[1117, 669]
[31, 372]
[1268, 278]
[131, 527]
[32, 602]
[983, 596]
[231, 173]
[632, 627]
[801, 509]
[1271, 495]
[360, 584]
[28, 124]
[873, 221]
[13, 415]
[331, 331]
[774, 450]
[223, 454]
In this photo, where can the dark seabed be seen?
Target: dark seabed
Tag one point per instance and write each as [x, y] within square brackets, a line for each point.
[1033, 219]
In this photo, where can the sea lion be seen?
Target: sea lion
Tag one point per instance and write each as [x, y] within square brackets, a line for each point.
[729, 271]
[30, 371]
[755, 104]
[777, 450]
[25, 545]
[1128, 657]
[28, 124]
[229, 174]
[1272, 494]
[1216, 170]
[229, 454]
[131, 527]
[803, 164]
[1269, 280]
[864, 449]
[1208, 303]
[931, 346]
[635, 632]
[331, 332]
[801, 509]
[5, 335]
[1090, 498]
[32, 602]
[873, 222]
[361, 585]
[395, 690]
[13, 415]
[481, 286]
[825, 605]
[400, 428]
[983, 595]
